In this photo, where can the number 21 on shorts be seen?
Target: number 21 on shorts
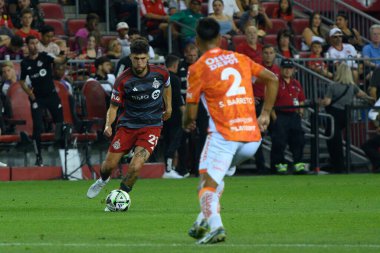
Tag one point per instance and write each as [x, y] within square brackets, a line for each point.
[153, 140]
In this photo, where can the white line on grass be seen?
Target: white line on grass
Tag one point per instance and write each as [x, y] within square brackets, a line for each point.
[229, 245]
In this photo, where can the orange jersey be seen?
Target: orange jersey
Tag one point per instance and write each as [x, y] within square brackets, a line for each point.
[223, 79]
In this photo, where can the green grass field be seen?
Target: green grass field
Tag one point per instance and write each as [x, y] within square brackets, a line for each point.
[334, 213]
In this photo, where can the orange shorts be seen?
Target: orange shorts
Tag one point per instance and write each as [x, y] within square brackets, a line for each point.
[127, 138]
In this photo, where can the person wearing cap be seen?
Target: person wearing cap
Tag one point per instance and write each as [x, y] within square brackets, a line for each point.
[189, 18]
[318, 66]
[338, 50]
[350, 35]
[286, 128]
[122, 29]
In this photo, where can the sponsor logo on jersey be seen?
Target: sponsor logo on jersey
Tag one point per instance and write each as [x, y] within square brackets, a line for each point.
[156, 84]
[115, 98]
[116, 144]
[135, 89]
[156, 94]
[221, 60]
[43, 72]
[39, 63]
[141, 97]
[29, 68]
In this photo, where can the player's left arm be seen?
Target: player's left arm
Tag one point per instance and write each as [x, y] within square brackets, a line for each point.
[168, 102]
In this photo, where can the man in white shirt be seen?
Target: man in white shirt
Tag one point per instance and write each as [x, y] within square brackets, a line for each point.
[339, 50]
[46, 43]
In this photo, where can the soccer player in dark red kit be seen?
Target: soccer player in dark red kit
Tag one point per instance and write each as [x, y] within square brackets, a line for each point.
[143, 92]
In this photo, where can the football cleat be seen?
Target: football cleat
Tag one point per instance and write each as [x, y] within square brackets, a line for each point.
[197, 231]
[300, 168]
[96, 187]
[282, 168]
[218, 235]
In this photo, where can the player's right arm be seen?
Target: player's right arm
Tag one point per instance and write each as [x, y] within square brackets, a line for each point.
[25, 87]
[110, 118]
[271, 81]
[27, 90]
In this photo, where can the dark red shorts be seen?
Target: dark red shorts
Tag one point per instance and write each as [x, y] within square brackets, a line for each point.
[126, 138]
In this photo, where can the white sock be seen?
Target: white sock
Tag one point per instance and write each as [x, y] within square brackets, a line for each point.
[199, 218]
[210, 207]
[219, 191]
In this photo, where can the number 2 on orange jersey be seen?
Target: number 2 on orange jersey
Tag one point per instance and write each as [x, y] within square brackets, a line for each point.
[235, 88]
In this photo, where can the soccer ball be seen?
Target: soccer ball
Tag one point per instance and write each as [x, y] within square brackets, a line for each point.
[118, 201]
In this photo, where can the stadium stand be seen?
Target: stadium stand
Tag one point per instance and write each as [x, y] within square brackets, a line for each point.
[52, 10]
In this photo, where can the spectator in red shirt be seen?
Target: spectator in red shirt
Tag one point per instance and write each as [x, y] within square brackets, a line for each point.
[26, 25]
[13, 50]
[268, 57]
[286, 128]
[284, 41]
[250, 47]
[5, 20]
[284, 11]
[318, 66]
[154, 14]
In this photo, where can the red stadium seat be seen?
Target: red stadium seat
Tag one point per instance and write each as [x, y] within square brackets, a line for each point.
[204, 9]
[278, 24]
[269, 7]
[270, 39]
[237, 39]
[73, 25]
[298, 42]
[304, 55]
[105, 39]
[52, 10]
[21, 107]
[71, 43]
[59, 27]
[96, 107]
[298, 25]
[224, 43]
[68, 116]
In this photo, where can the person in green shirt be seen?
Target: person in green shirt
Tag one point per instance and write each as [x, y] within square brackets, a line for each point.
[189, 18]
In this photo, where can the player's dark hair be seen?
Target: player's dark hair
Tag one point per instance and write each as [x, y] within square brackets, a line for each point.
[46, 29]
[17, 41]
[29, 38]
[171, 60]
[140, 46]
[208, 29]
